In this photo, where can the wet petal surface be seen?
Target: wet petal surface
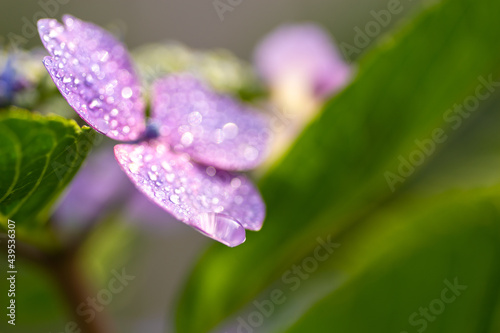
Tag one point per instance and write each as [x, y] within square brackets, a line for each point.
[94, 73]
[218, 203]
[213, 129]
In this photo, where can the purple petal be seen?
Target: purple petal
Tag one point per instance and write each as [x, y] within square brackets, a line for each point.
[304, 52]
[212, 129]
[94, 72]
[218, 203]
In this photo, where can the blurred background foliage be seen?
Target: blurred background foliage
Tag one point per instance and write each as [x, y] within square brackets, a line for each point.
[396, 249]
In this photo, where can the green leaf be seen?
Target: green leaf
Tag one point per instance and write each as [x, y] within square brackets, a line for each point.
[39, 157]
[401, 262]
[470, 159]
[334, 176]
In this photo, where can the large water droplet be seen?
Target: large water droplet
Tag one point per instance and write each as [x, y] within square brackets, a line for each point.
[220, 227]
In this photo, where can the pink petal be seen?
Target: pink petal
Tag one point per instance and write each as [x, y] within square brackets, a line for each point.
[213, 129]
[94, 73]
[218, 203]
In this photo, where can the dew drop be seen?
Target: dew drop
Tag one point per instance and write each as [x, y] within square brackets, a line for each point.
[187, 139]
[166, 166]
[134, 168]
[220, 227]
[235, 182]
[95, 104]
[152, 176]
[230, 130]
[160, 194]
[195, 118]
[126, 92]
[250, 153]
[211, 171]
[174, 198]
[170, 177]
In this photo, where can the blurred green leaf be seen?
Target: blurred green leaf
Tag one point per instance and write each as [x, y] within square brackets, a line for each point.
[402, 93]
[470, 159]
[39, 157]
[399, 262]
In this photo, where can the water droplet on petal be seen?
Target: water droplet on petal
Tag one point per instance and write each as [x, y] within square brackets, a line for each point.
[95, 104]
[235, 182]
[195, 118]
[160, 194]
[174, 198]
[187, 139]
[134, 167]
[250, 153]
[152, 176]
[230, 130]
[126, 92]
[220, 227]
[211, 171]
[166, 166]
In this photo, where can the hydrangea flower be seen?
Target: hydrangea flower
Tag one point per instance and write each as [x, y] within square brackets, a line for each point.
[302, 68]
[186, 156]
[305, 53]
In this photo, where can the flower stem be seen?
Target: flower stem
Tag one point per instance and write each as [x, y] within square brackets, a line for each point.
[63, 266]
[76, 291]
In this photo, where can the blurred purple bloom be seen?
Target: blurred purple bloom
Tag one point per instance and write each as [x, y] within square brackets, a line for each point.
[99, 185]
[10, 82]
[99, 188]
[304, 52]
[302, 67]
[95, 74]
